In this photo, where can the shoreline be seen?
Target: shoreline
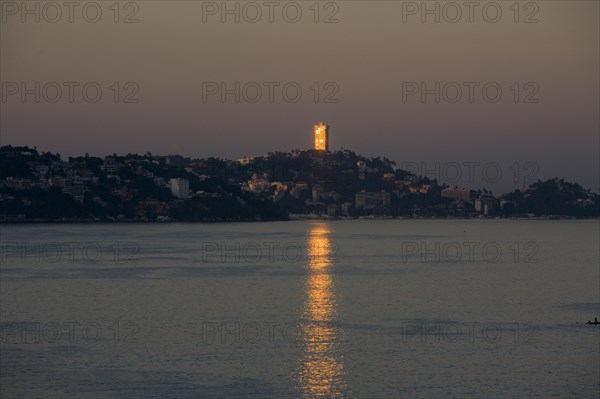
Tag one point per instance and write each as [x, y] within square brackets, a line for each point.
[293, 219]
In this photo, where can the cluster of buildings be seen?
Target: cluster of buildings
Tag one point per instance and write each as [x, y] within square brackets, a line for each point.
[312, 182]
[363, 202]
[484, 204]
[71, 179]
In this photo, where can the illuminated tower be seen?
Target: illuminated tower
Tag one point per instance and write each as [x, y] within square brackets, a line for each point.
[321, 137]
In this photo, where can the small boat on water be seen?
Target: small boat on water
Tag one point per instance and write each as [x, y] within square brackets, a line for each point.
[595, 322]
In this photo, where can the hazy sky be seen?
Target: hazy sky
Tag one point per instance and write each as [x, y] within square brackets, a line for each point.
[371, 61]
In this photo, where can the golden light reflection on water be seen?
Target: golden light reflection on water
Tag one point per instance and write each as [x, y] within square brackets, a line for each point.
[321, 373]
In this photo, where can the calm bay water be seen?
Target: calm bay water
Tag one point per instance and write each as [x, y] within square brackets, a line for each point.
[365, 309]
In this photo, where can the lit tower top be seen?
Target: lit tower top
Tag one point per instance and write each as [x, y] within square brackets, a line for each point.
[321, 137]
